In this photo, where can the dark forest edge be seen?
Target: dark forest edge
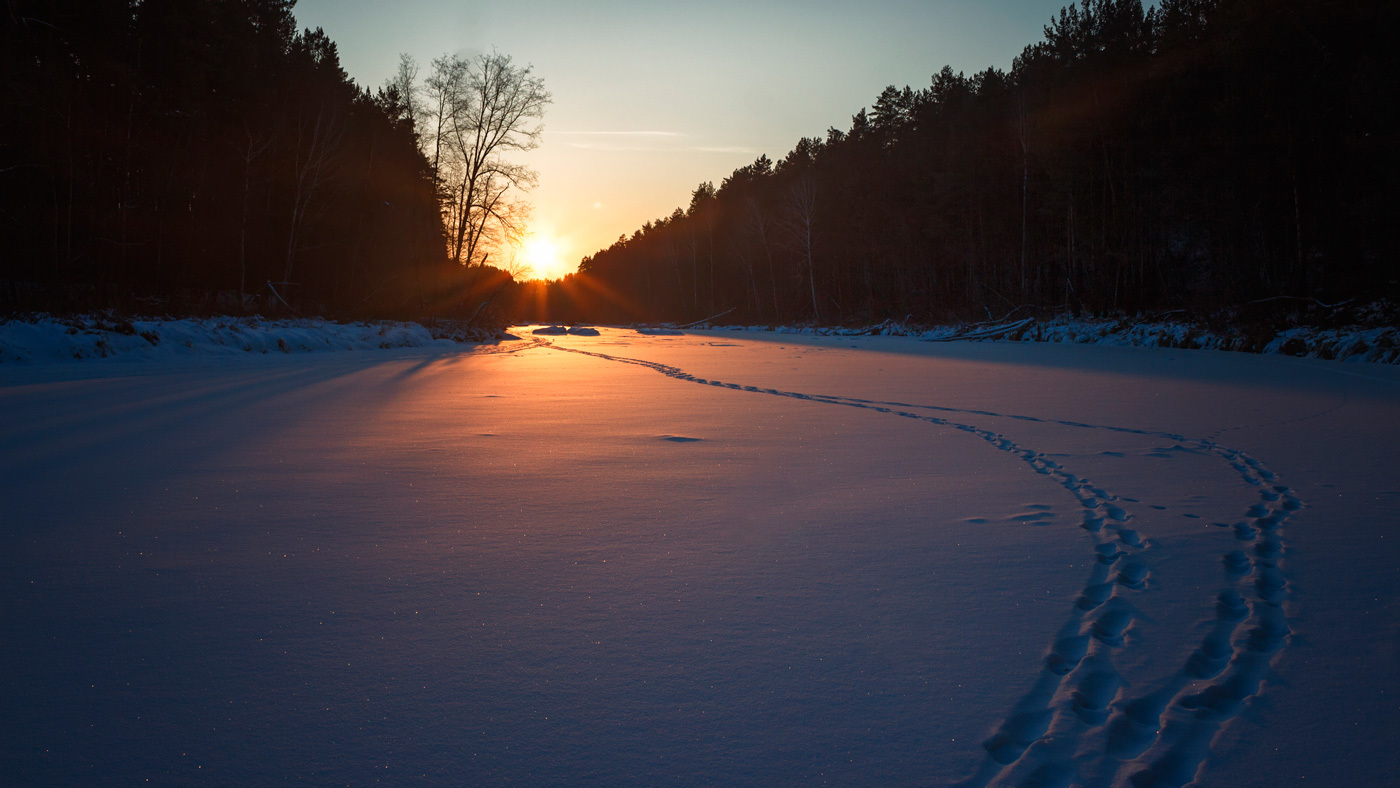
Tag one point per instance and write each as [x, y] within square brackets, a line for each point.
[1233, 160]
[1227, 161]
[200, 157]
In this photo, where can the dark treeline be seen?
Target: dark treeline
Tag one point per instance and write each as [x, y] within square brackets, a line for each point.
[185, 153]
[1201, 153]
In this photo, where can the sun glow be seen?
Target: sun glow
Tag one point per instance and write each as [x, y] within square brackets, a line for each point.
[544, 257]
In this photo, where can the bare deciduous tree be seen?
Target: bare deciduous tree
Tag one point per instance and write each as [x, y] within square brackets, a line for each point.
[404, 83]
[760, 229]
[801, 210]
[484, 109]
[441, 89]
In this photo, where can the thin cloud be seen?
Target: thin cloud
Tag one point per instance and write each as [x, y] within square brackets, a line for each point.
[613, 146]
[616, 133]
[643, 142]
[722, 149]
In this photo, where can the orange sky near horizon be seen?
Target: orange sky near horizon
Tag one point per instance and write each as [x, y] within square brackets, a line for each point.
[652, 99]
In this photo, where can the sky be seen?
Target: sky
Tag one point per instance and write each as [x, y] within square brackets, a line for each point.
[651, 99]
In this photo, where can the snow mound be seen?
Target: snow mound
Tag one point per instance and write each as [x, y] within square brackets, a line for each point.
[583, 331]
[660, 332]
[51, 339]
[1347, 343]
[552, 331]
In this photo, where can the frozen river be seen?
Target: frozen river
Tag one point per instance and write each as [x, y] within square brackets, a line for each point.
[708, 559]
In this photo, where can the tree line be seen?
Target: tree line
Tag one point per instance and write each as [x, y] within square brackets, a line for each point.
[188, 155]
[1196, 154]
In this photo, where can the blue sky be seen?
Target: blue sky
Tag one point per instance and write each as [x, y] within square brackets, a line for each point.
[650, 99]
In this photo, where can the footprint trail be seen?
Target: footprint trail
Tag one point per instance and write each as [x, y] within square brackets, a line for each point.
[1077, 724]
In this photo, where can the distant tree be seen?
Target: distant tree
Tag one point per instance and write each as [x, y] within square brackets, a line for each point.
[317, 128]
[801, 214]
[403, 93]
[487, 108]
[702, 213]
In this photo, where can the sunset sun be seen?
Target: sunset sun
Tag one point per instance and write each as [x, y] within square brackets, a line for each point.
[543, 256]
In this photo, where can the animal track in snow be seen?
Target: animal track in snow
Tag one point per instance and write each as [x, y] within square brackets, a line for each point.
[1078, 724]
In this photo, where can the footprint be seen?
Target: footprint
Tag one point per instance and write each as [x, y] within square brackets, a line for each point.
[1268, 550]
[1095, 692]
[1137, 724]
[1067, 653]
[1108, 552]
[1133, 574]
[1094, 595]
[1268, 636]
[1222, 700]
[1231, 606]
[1176, 767]
[1237, 563]
[1214, 653]
[1270, 585]
[1110, 626]
[1016, 734]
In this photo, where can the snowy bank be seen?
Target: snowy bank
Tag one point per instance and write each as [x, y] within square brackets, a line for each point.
[47, 339]
[1380, 344]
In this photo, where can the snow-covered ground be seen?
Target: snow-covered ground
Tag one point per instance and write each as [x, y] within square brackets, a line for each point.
[709, 558]
[1369, 343]
[50, 339]
[47, 339]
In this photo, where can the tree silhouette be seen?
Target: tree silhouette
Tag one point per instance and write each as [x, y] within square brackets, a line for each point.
[486, 108]
[168, 155]
[1196, 154]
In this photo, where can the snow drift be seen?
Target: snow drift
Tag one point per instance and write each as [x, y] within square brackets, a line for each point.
[46, 338]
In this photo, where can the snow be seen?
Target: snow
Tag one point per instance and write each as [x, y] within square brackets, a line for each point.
[558, 331]
[47, 339]
[701, 558]
[1368, 343]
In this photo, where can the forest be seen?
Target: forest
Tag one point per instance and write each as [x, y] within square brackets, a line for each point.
[203, 156]
[1194, 155]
